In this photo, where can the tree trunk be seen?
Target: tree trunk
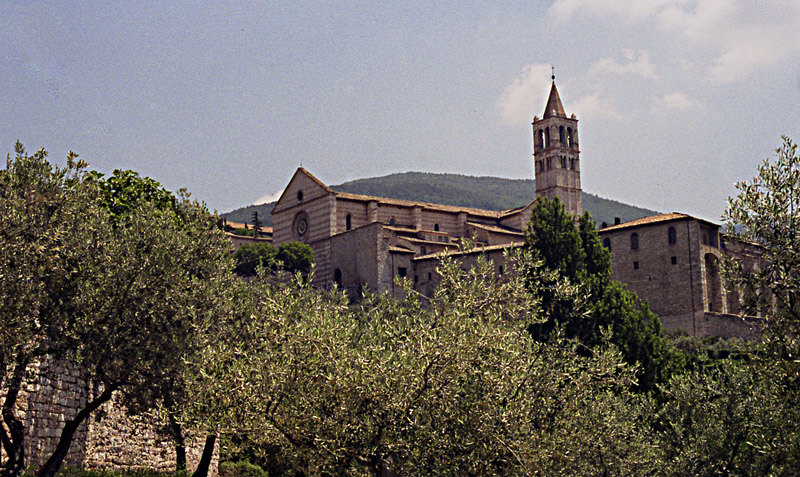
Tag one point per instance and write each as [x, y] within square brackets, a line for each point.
[52, 465]
[180, 443]
[205, 461]
[14, 441]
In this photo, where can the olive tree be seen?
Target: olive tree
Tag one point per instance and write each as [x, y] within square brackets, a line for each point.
[452, 386]
[115, 284]
[766, 212]
[52, 236]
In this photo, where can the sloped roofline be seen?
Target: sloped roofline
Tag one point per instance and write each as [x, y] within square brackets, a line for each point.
[494, 214]
[302, 170]
[654, 219]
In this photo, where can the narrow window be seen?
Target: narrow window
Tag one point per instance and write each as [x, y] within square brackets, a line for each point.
[569, 138]
[416, 278]
[501, 270]
[561, 136]
[337, 278]
[391, 221]
[348, 222]
[674, 260]
[636, 265]
[423, 250]
[541, 138]
[429, 276]
[672, 237]
[402, 272]
[436, 227]
[634, 241]
[563, 162]
[299, 196]
[607, 243]
[547, 138]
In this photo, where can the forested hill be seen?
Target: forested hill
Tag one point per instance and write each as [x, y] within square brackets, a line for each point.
[490, 193]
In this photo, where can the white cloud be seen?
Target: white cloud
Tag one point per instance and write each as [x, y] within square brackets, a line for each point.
[676, 101]
[526, 95]
[638, 63]
[265, 199]
[593, 106]
[563, 10]
[742, 35]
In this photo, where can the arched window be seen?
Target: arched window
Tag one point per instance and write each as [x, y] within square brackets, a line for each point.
[348, 222]
[436, 227]
[607, 243]
[299, 196]
[570, 142]
[561, 136]
[392, 221]
[546, 138]
[337, 278]
[672, 237]
[634, 241]
[540, 137]
[563, 162]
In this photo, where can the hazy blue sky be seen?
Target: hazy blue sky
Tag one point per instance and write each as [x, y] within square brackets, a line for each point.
[677, 99]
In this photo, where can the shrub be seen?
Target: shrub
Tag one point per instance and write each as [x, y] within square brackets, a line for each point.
[240, 469]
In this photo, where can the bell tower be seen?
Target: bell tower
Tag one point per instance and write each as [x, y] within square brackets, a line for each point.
[556, 157]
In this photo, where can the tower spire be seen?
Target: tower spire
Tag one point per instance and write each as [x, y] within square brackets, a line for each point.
[554, 107]
[556, 154]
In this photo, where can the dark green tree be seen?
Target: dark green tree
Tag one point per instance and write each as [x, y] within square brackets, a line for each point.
[250, 256]
[576, 253]
[296, 257]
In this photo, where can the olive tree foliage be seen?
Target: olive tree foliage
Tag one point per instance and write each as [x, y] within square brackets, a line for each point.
[575, 254]
[115, 286]
[735, 417]
[456, 386]
[766, 212]
[50, 243]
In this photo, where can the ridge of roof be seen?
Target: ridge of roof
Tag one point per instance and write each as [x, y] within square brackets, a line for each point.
[411, 203]
[495, 228]
[652, 219]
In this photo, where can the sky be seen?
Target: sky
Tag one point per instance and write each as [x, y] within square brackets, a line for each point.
[677, 100]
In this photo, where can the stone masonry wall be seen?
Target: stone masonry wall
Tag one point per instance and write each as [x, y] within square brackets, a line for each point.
[108, 439]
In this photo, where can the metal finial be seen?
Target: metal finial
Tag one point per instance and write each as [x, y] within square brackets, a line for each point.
[553, 73]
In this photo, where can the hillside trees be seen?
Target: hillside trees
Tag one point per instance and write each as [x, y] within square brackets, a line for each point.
[114, 285]
[574, 251]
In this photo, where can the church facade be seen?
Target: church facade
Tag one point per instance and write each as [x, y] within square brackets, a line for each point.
[369, 242]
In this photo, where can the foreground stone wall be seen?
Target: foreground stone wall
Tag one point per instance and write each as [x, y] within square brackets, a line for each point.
[56, 391]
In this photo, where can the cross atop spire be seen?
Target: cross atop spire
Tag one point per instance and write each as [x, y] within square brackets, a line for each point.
[553, 75]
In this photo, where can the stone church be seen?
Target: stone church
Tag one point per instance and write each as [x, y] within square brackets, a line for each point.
[359, 241]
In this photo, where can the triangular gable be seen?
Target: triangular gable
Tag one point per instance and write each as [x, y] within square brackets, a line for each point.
[302, 182]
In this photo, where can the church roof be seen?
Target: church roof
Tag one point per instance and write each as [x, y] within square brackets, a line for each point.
[652, 219]
[425, 205]
[554, 107]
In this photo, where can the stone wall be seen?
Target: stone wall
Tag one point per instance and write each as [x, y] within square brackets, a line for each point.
[108, 439]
